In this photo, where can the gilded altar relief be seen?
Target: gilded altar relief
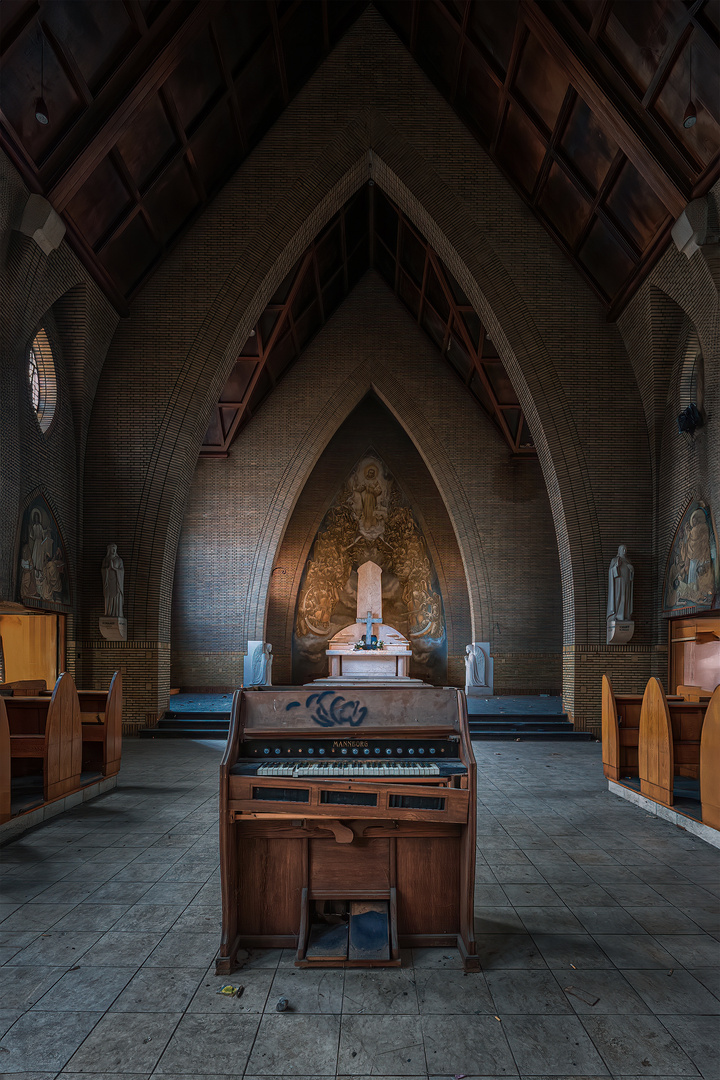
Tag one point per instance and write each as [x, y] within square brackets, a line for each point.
[692, 576]
[370, 519]
[42, 571]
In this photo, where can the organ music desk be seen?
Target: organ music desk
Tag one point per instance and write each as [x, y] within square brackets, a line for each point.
[347, 825]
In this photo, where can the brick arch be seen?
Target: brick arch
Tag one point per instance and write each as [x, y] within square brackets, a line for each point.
[409, 414]
[150, 523]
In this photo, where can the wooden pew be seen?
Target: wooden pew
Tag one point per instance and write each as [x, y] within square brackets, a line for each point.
[694, 693]
[668, 742]
[23, 688]
[49, 729]
[620, 731]
[101, 715]
[710, 763]
[5, 770]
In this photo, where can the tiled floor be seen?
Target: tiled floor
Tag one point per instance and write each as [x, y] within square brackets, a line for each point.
[598, 928]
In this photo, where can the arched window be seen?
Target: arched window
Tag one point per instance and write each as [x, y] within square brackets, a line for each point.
[42, 382]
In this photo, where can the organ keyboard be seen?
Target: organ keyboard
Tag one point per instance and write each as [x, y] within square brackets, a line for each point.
[345, 815]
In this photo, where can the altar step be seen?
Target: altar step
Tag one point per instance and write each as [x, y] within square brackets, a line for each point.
[189, 725]
[538, 727]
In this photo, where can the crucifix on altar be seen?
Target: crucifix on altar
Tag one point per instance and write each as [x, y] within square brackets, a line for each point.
[368, 620]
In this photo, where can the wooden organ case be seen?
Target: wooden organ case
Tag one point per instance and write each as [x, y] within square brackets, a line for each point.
[347, 825]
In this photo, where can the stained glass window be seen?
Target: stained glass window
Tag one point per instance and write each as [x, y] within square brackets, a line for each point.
[41, 378]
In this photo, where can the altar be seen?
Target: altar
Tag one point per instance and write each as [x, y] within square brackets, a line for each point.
[368, 651]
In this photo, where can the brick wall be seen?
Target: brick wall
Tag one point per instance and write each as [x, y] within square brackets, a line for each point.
[477, 508]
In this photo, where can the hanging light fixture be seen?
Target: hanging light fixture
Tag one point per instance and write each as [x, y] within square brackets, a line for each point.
[41, 110]
[690, 116]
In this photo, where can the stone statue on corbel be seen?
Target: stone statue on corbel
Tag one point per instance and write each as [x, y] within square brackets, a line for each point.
[257, 664]
[113, 625]
[621, 577]
[478, 669]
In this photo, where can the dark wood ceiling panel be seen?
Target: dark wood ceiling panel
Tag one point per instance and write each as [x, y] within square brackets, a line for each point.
[702, 141]
[259, 90]
[541, 82]
[171, 201]
[478, 94]
[20, 86]
[97, 36]
[639, 33]
[148, 142]
[100, 202]
[521, 148]
[587, 146]
[564, 205]
[216, 149]
[635, 207]
[195, 82]
[559, 92]
[491, 24]
[605, 257]
[437, 40]
[241, 29]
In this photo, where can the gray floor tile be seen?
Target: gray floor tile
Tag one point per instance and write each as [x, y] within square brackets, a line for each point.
[549, 920]
[698, 1036]
[511, 874]
[85, 989]
[691, 950]
[381, 1046]
[552, 1045]
[385, 991]
[450, 991]
[190, 949]
[709, 977]
[636, 951]
[118, 949]
[92, 916]
[153, 917]
[634, 894]
[45, 1040]
[170, 892]
[256, 983]
[473, 1044]
[207, 1043]
[35, 917]
[21, 987]
[498, 951]
[607, 920]
[307, 990]
[55, 949]
[571, 951]
[663, 920]
[638, 1045]
[676, 993]
[526, 992]
[119, 892]
[443, 958]
[598, 990]
[7, 1019]
[298, 1044]
[532, 895]
[125, 1043]
[498, 920]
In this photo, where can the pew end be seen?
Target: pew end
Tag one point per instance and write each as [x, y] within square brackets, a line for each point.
[710, 763]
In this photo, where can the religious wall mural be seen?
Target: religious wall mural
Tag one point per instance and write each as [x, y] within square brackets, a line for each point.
[370, 520]
[692, 577]
[43, 566]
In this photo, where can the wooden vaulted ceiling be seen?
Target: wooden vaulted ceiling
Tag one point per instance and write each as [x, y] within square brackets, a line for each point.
[153, 104]
[370, 230]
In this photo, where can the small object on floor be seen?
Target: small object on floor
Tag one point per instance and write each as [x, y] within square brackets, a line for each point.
[240, 991]
[282, 1005]
[671, 971]
[229, 991]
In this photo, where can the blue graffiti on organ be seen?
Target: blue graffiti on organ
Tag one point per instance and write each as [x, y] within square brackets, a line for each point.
[334, 713]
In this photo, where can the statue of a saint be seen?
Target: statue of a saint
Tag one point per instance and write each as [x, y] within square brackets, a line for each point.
[113, 578]
[368, 503]
[620, 587]
[474, 667]
[261, 674]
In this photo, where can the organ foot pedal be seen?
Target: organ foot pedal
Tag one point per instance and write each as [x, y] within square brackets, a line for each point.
[354, 933]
